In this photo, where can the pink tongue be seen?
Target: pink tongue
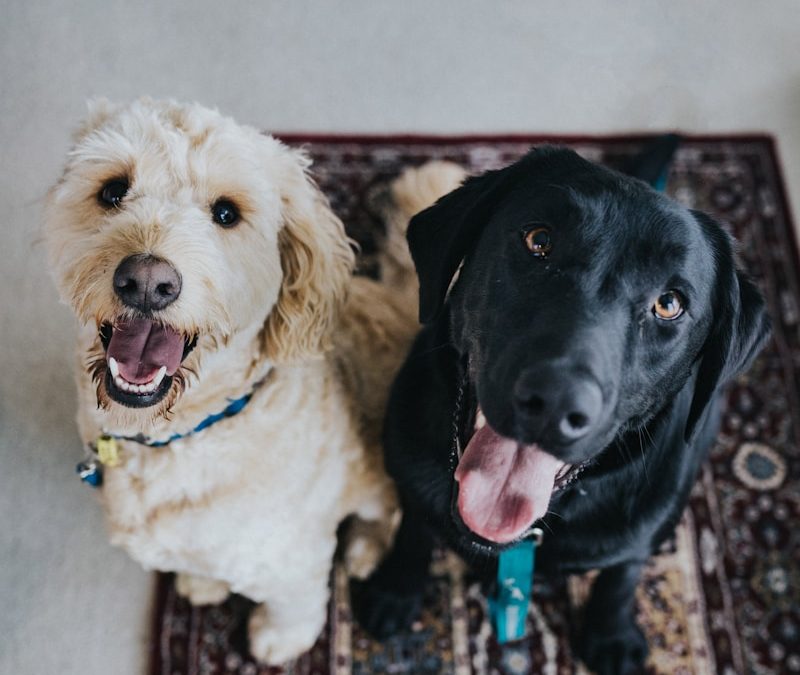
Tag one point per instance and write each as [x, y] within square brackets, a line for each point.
[503, 487]
[141, 347]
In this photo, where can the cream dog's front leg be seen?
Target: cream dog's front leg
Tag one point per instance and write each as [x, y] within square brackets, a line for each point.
[201, 590]
[288, 624]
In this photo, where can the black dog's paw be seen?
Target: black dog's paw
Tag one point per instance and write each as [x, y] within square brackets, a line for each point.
[622, 652]
[381, 611]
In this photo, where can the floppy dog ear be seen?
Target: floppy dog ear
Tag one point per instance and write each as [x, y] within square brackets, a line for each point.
[440, 236]
[317, 261]
[740, 325]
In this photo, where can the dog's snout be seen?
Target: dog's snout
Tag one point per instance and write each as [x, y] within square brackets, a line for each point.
[146, 283]
[555, 405]
[584, 402]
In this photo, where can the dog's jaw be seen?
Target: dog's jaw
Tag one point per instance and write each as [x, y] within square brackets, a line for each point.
[468, 422]
[217, 369]
[125, 385]
[115, 385]
[123, 414]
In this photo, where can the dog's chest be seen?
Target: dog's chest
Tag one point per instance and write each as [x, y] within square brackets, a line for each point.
[253, 479]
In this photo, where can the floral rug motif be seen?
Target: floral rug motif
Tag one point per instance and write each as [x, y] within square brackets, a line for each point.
[723, 597]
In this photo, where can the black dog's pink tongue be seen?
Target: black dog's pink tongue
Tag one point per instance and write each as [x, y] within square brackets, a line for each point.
[503, 486]
[140, 347]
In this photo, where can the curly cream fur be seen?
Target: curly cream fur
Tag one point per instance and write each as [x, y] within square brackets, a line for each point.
[251, 504]
[317, 262]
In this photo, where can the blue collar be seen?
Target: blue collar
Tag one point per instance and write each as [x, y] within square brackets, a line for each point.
[233, 408]
[105, 451]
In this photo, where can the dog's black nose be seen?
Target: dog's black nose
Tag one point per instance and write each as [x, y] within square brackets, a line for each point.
[146, 283]
[556, 406]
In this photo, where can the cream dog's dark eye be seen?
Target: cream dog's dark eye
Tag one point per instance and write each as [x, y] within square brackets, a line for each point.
[113, 192]
[225, 213]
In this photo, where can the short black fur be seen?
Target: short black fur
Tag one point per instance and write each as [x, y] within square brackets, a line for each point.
[580, 317]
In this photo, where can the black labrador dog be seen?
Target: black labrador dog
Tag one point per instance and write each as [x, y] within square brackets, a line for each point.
[578, 329]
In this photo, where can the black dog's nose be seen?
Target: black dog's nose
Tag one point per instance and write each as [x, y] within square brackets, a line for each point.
[146, 283]
[556, 405]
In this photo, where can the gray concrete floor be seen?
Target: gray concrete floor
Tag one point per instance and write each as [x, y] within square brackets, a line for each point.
[72, 604]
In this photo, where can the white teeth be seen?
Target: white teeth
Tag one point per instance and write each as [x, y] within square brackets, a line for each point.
[480, 420]
[124, 385]
[159, 376]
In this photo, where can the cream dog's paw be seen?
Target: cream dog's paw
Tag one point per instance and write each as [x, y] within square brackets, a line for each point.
[273, 643]
[366, 541]
[201, 590]
[362, 555]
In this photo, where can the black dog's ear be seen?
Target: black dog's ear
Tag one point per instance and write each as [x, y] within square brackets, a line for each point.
[440, 236]
[740, 324]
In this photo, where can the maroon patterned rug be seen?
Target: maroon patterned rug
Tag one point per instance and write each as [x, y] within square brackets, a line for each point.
[725, 596]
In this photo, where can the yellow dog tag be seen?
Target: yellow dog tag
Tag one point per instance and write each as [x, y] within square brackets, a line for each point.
[108, 451]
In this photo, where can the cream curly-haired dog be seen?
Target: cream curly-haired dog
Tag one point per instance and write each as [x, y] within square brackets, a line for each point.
[231, 371]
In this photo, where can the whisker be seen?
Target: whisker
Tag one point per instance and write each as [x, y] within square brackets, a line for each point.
[432, 350]
[544, 522]
[644, 461]
[624, 451]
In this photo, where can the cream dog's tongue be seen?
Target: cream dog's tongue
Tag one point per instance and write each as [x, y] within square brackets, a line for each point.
[503, 486]
[141, 347]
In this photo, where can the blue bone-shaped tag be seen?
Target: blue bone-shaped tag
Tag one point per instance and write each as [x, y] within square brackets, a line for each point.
[508, 606]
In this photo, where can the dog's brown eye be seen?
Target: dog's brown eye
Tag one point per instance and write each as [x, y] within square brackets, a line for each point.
[113, 192]
[225, 213]
[537, 239]
[668, 306]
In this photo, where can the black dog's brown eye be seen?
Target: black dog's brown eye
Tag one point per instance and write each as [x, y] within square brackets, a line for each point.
[537, 239]
[113, 192]
[668, 306]
[225, 213]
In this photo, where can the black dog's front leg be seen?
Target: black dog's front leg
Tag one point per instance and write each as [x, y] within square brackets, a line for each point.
[391, 598]
[611, 642]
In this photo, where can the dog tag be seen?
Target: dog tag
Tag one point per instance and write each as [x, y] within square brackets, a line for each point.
[108, 450]
[508, 607]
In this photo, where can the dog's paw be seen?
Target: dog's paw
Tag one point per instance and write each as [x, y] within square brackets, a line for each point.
[276, 644]
[383, 612]
[622, 652]
[201, 590]
[362, 556]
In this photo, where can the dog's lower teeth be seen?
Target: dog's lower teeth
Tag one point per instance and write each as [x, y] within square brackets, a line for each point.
[132, 388]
